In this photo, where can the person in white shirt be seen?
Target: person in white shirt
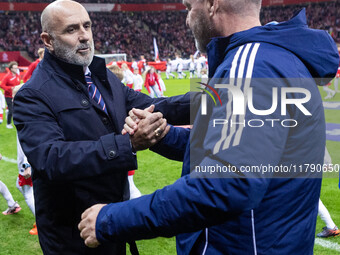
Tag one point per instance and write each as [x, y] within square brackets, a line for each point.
[134, 64]
[201, 64]
[128, 76]
[24, 180]
[198, 67]
[192, 66]
[180, 72]
[169, 69]
[13, 207]
[137, 81]
[330, 93]
[161, 82]
[203, 60]
[204, 73]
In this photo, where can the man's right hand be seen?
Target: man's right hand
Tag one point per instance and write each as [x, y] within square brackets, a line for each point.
[145, 127]
[132, 120]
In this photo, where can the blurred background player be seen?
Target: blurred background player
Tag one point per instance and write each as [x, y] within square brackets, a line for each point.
[141, 64]
[137, 81]
[168, 69]
[10, 80]
[192, 66]
[128, 76]
[201, 64]
[179, 62]
[33, 65]
[330, 229]
[2, 106]
[161, 82]
[204, 73]
[134, 64]
[134, 191]
[13, 207]
[329, 91]
[151, 79]
[198, 67]
[113, 62]
[336, 81]
[24, 181]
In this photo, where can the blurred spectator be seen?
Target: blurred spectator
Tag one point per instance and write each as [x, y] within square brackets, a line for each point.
[105, 1]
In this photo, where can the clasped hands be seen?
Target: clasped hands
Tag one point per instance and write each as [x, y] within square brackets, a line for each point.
[146, 128]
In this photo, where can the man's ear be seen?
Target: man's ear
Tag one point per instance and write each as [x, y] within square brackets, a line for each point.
[47, 40]
[213, 6]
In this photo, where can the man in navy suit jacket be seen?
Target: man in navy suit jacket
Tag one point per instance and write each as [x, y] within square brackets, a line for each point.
[78, 155]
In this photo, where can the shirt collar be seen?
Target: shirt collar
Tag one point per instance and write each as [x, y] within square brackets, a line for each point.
[87, 71]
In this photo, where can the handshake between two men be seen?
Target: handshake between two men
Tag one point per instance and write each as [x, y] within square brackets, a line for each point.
[146, 128]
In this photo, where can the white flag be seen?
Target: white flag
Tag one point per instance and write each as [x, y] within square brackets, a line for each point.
[155, 49]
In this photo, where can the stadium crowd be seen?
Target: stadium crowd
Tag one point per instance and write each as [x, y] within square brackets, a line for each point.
[106, 1]
[132, 32]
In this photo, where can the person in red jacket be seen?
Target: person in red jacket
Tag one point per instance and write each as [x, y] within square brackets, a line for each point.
[10, 80]
[151, 79]
[141, 64]
[34, 65]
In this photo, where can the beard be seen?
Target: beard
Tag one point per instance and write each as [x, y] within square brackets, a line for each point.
[70, 55]
[202, 31]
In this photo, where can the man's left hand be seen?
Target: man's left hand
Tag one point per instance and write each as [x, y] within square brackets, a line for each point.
[87, 225]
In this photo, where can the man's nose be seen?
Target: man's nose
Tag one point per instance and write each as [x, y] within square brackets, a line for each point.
[84, 35]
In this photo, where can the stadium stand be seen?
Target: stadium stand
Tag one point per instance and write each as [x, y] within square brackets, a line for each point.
[132, 32]
[105, 1]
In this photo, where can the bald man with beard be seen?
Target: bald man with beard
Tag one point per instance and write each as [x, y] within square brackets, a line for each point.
[69, 118]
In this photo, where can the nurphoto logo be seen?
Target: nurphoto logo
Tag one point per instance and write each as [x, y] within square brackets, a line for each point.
[241, 101]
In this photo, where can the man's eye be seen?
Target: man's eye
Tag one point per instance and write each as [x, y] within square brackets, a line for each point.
[70, 30]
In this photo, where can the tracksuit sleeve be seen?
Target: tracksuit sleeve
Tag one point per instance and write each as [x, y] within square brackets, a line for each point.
[173, 145]
[187, 205]
[176, 109]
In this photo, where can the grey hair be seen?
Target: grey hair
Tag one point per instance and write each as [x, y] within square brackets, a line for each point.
[45, 23]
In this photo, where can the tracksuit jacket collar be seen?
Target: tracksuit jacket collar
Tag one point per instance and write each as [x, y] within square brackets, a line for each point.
[292, 35]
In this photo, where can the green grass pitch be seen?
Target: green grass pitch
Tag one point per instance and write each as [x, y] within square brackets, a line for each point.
[154, 173]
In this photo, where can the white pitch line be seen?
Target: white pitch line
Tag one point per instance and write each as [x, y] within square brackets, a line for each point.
[327, 244]
[9, 160]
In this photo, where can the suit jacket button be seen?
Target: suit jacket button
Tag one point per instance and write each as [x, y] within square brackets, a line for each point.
[112, 154]
[84, 102]
[105, 121]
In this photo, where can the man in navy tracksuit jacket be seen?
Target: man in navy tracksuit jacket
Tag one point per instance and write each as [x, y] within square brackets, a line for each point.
[243, 215]
[75, 147]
